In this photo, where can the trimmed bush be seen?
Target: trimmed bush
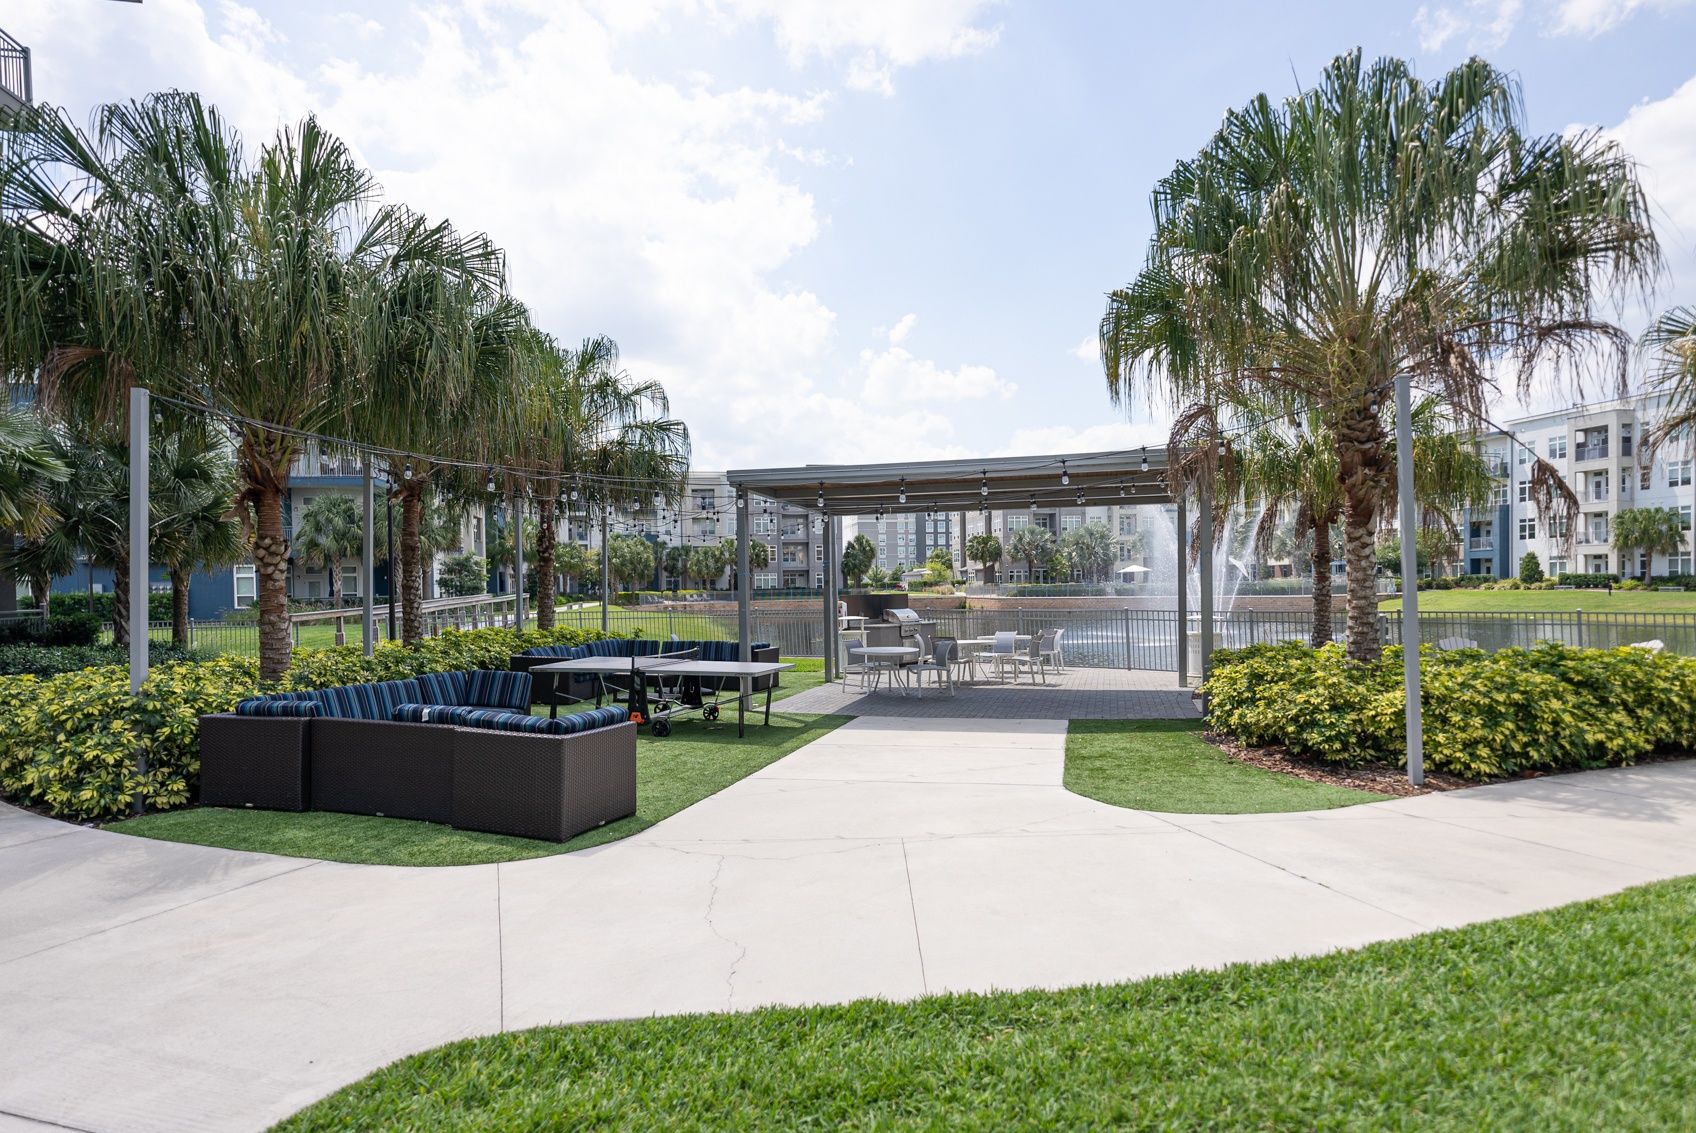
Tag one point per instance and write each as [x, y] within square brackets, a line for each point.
[47, 661]
[59, 629]
[68, 742]
[1530, 568]
[1548, 708]
[1588, 581]
[100, 605]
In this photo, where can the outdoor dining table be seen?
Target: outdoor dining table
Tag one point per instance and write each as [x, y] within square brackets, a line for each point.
[894, 653]
[975, 645]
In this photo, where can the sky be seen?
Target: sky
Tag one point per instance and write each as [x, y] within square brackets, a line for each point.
[845, 230]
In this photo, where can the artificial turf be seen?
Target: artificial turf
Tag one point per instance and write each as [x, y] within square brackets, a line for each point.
[1165, 765]
[1580, 1018]
[671, 773]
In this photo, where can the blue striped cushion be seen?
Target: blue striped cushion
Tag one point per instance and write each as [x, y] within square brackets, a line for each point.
[593, 718]
[285, 704]
[565, 652]
[417, 713]
[441, 688]
[503, 721]
[498, 688]
[376, 701]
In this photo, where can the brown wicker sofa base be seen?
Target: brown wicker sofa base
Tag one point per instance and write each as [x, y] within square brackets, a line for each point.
[501, 782]
[254, 761]
[543, 786]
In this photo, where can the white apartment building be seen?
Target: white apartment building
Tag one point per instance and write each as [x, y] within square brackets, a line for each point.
[1598, 449]
[1128, 524]
[905, 541]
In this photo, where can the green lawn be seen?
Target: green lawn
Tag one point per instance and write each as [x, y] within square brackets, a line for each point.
[1580, 1018]
[1165, 765]
[671, 773]
[1552, 601]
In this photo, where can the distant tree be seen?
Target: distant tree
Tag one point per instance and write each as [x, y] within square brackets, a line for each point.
[1088, 549]
[877, 578]
[707, 563]
[1652, 530]
[331, 531]
[1033, 544]
[574, 562]
[676, 561]
[1530, 568]
[985, 550]
[631, 560]
[858, 558]
[939, 566]
[463, 574]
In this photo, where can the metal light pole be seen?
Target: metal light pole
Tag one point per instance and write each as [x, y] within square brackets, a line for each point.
[1410, 583]
[367, 563]
[139, 554]
[389, 507]
[744, 583]
[606, 570]
[518, 559]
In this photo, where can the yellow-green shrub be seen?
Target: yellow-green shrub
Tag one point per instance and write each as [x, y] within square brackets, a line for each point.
[68, 743]
[1551, 707]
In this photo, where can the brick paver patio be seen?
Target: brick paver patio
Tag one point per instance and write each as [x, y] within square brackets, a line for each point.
[1076, 694]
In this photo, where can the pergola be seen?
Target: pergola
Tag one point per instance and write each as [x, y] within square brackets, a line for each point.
[1131, 477]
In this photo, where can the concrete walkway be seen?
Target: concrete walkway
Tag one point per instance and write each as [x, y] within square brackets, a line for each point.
[152, 986]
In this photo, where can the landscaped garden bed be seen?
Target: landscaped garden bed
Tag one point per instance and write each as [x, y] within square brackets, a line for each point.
[1487, 716]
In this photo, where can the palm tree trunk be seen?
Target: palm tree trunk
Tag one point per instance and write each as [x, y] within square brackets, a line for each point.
[271, 566]
[121, 601]
[1321, 634]
[335, 582]
[412, 563]
[1360, 456]
[41, 585]
[179, 606]
[545, 547]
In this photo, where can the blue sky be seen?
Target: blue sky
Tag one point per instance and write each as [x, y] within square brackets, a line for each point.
[843, 230]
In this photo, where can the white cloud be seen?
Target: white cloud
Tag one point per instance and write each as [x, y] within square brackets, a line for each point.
[1661, 135]
[1109, 436]
[895, 376]
[1591, 18]
[1484, 24]
[1088, 350]
[899, 332]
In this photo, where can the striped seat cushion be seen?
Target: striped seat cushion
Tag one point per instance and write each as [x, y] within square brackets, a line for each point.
[562, 652]
[375, 701]
[503, 721]
[498, 688]
[420, 713]
[285, 704]
[441, 688]
[593, 718]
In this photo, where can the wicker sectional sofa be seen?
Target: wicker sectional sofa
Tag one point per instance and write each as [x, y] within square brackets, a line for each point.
[457, 748]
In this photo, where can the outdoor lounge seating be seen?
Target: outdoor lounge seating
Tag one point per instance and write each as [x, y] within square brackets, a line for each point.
[458, 748]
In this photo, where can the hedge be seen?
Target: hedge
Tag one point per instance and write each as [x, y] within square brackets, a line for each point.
[1595, 581]
[47, 661]
[100, 605]
[68, 742]
[1548, 708]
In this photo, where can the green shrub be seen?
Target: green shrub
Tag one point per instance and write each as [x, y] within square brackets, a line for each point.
[68, 742]
[1630, 584]
[100, 605]
[1595, 581]
[1548, 708]
[58, 629]
[1444, 584]
[1530, 568]
[46, 661]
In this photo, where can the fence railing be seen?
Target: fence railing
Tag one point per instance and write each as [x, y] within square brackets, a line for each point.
[1091, 638]
[15, 69]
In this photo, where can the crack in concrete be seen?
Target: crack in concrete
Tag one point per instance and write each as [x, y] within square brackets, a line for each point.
[742, 949]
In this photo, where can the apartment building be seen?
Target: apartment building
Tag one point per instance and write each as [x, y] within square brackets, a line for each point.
[905, 541]
[1599, 451]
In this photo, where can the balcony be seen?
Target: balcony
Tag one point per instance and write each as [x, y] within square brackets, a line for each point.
[1498, 467]
[1590, 452]
[1485, 543]
[16, 91]
[1596, 496]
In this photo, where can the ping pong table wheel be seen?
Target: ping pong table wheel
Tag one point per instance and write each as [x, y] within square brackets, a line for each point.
[710, 712]
[662, 728]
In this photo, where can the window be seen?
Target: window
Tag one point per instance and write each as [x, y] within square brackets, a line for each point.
[1014, 522]
[765, 525]
[247, 584]
[1684, 518]
[1678, 473]
[1525, 491]
[765, 582]
[1071, 522]
[1644, 475]
[1596, 530]
[1527, 529]
[350, 579]
[1499, 495]
[1598, 487]
[1557, 567]
[1560, 528]
[704, 499]
[1127, 523]
[1524, 454]
[1678, 563]
[818, 553]
[1557, 447]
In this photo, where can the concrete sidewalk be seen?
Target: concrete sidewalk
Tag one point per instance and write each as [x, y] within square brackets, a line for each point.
[152, 986]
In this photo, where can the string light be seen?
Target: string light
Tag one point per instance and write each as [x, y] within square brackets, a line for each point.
[1080, 497]
[1065, 476]
[983, 485]
[489, 484]
[1121, 489]
[901, 498]
[821, 495]
[1145, 458]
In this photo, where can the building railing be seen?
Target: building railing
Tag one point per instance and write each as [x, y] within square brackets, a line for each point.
[1590, 452]
[15, 78]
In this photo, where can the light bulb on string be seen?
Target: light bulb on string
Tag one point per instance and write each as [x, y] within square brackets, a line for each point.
[821, 495]
[983, 485]
[489, 484]
[1145, 458]
[901, 497]
[1080, 497]
[1121, 489]
[406, 473]
[1065, 476]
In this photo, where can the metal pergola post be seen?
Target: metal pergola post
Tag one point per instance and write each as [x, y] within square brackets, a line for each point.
[1182, 529]
[606, 570]
[1410, 583]
[744, 582]
[367, 562]
[831, 622]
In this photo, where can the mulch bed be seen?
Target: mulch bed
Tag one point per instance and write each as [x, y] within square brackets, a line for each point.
[1380, 777]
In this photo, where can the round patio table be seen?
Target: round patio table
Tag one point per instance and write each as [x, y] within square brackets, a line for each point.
[892, 654]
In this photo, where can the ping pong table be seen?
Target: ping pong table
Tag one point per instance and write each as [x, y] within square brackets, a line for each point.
[663, 686]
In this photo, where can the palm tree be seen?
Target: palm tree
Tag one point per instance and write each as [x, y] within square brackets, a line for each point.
[1651, 530]
[192, 480]
[707, 563]
[29, 467]
[592, 432]
[1034, 545]
[985, 550]
[331, 530]
[1671, 342]
[1372, 226]
[1088, 549]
